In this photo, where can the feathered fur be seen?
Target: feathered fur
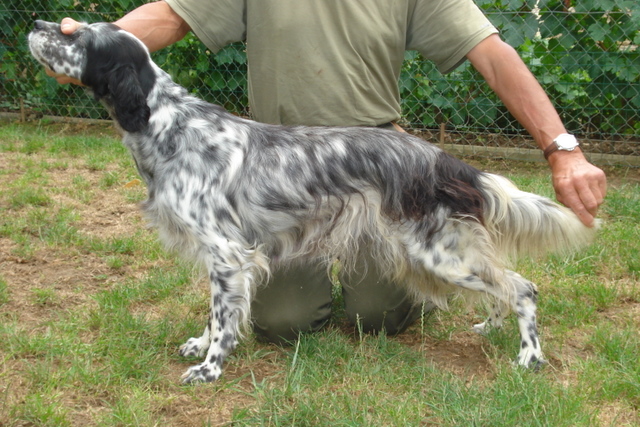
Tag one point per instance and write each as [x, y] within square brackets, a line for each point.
[240, 197]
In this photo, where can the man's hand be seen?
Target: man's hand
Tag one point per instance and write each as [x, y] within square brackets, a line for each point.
[67, 26]
[579, 185]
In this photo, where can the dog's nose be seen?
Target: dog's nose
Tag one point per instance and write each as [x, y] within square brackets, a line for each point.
[39, 24]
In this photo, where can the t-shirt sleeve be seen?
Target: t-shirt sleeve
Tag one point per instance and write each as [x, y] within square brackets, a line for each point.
[444, 31]
[215, 22]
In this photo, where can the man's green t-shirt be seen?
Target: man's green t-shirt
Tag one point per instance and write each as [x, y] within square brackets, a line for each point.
[334, 62]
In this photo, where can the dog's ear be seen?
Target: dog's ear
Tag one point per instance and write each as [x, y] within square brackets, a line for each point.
[128, 99]
[119, 72]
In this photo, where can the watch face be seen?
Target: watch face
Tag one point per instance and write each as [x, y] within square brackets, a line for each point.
[566, 142]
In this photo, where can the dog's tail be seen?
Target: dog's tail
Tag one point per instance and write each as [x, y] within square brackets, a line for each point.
[522, 223]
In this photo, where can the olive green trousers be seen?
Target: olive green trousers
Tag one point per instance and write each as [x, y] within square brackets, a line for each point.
[299, 300]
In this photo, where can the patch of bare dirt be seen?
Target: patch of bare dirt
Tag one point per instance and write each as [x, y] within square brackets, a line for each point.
[71, 275]
[463, 353]
[615, 414]
[71, 279]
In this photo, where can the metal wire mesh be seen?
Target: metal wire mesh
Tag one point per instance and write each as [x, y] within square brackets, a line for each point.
[584, 53]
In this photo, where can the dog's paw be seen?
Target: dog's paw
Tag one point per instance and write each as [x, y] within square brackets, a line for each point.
[193, 348]
[533, 366]
[538, 365]
[202, 373]
[480, 328]
[531, 360]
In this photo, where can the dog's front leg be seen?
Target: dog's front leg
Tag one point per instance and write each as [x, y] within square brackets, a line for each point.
[197, 347]
[230, 280]
[218, 340]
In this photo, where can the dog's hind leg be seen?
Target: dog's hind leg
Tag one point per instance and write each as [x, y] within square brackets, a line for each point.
[499, 311]
[523, 302]
[469, 265]
[526, 295]
[524, 305]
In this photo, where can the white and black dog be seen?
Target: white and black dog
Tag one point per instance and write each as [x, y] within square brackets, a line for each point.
[241, 197]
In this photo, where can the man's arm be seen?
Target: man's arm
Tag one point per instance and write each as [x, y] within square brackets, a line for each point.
[156, 24]
[578, 184]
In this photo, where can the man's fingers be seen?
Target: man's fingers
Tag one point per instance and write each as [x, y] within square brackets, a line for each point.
[586, 218]
[587, 197]
[62, 78]
[69, 25]
[579, 199]
[593, 192]
[598, 199]
[585, 203]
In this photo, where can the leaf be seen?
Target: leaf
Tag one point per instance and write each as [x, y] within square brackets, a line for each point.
[411, 55]
[216, 81]
[124, 4]
[514, 4]
[483, 3]
[636, 101]
[482, 110]
[512, 34]
[231, 54]
[406, 83]
[587, 5]
[66, 4]
[529, 26]
[630, 69]
[552, 24]
[597, 31]
[570, 62]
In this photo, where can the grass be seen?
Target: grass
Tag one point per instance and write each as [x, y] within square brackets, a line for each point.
[92, 311]
[380, 382]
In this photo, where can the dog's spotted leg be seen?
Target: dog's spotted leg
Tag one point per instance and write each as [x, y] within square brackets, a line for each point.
[220, 341]
[472, 271]
[525, 306]
[230, 279]
[197, 347]
[499, 312]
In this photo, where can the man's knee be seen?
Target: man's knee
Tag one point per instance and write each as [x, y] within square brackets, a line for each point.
[392, 318]
[374, 303]
[284, 326]
[296, 300]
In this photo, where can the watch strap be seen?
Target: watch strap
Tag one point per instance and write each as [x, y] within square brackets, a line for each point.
[552, 148]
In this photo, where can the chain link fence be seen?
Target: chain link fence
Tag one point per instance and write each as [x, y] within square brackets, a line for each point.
[584, 53]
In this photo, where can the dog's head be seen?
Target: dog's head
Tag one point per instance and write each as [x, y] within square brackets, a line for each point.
[113, 63]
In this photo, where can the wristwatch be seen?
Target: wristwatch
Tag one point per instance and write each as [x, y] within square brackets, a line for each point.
[563, 142]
